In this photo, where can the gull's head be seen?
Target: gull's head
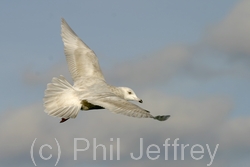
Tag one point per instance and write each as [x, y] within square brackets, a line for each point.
[129, 94]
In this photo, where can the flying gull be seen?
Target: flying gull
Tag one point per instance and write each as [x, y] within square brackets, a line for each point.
[90, 90]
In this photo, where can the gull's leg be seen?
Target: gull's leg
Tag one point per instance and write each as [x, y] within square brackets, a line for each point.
[88, 106]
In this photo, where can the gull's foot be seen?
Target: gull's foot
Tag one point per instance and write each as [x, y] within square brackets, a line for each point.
[88, 106]
[63, 120]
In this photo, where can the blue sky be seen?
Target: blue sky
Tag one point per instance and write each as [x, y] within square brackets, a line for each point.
[181, 55]
[31, 32]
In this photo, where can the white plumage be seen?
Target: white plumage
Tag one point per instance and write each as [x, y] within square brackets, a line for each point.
[90, 90]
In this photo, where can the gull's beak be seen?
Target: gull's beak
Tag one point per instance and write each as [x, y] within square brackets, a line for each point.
[140, 101]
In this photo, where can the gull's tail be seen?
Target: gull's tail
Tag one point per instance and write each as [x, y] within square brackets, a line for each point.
[61, 99]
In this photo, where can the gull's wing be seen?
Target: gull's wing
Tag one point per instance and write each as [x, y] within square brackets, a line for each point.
[121, 106]
[82, 61]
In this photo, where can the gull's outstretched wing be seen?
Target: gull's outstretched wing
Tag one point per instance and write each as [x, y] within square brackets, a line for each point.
[121, 106]
[82, 61]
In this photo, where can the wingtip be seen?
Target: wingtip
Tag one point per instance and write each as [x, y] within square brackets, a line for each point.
[162, 117]
[63, 20]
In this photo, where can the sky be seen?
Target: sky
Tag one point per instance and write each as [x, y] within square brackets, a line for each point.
[189, 59]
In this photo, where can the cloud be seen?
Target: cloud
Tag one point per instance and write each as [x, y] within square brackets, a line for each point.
[232, 34]
[32, 77]
[203, 121]
[151, 68]
[222, 51]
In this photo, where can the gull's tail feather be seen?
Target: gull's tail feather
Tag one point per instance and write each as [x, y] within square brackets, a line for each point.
[162, 117]
[61, 100]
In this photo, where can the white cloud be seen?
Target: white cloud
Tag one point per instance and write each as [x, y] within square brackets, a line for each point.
[151, 68]
[32, 77]
[193, 121]
[232, 34]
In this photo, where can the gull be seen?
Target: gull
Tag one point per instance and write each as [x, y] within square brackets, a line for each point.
[90, 90]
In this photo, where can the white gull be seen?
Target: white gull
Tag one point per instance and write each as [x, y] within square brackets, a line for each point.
[90, 90]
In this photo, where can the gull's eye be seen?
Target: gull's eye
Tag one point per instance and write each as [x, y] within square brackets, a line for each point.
[130, 93]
